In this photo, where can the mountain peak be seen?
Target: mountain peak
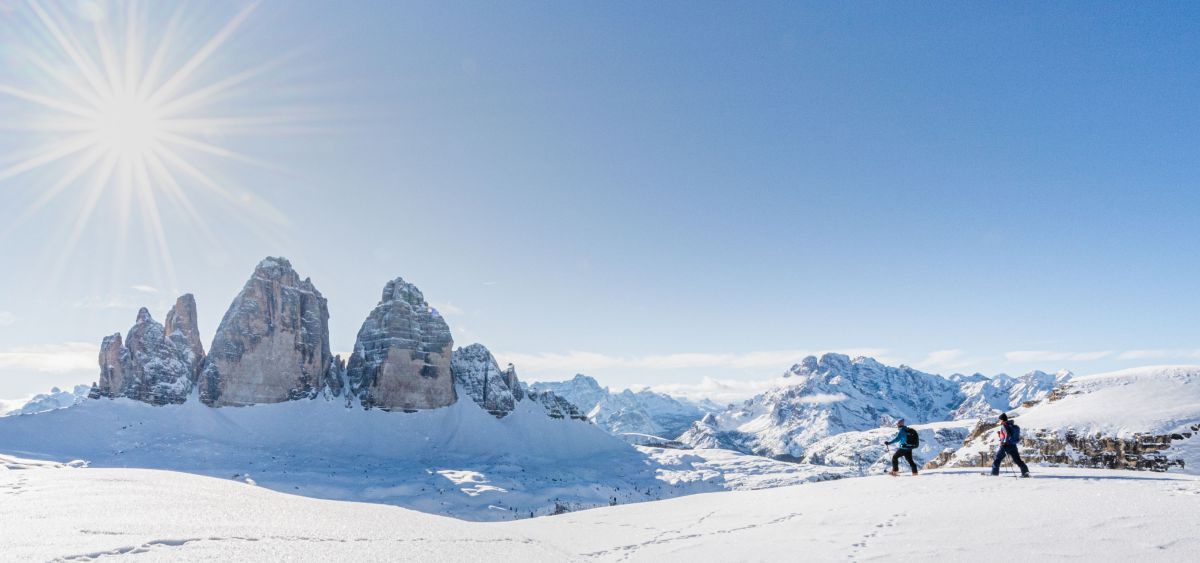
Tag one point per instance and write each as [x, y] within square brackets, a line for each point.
[398, 289]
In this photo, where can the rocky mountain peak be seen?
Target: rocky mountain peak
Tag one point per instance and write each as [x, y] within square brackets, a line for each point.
[277, 269]
[272, 344]
[480, 378]
[402, 355]
[400, 290]
[150, 366]
[182, 330]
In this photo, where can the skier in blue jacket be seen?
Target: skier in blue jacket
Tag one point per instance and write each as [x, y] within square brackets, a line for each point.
[903, 449]
[1010, 436]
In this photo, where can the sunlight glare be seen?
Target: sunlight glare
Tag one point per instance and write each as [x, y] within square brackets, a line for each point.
[134, 104]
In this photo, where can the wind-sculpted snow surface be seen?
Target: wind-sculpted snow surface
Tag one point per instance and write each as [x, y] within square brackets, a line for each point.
[155, 364]
[627, 412]
[61, 513]
[825, 396]
[401, 359]
[457, 461]
[273, 343]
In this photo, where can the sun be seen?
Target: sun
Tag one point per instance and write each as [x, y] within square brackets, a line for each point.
[128, 99]
[128, 127]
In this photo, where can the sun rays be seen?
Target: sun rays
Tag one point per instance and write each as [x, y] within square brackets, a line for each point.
[120, 102]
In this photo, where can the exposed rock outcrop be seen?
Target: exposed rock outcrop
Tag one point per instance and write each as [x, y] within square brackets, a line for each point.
[1143, 452]
[402, 356]
[154, 364]
[182, 330]
[556, 406]
[1140, 418]
[113, 359]
[479, 376]
[273, 343]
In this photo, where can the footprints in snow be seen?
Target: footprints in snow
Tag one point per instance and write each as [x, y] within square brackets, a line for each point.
[674, 535]
[880, 527]
[16, 487]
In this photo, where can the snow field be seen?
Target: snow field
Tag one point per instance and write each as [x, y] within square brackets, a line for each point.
[61, 513]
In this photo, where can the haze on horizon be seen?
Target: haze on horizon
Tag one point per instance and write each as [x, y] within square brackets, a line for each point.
[649, 194]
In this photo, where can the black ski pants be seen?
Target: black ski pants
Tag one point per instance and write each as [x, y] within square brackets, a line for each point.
[905, 453]
[1011, 450]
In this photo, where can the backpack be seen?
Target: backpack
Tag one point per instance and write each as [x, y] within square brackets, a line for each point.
[1015, 436]
[911, 438]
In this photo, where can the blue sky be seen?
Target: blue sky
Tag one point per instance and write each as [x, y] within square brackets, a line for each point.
[657, 193]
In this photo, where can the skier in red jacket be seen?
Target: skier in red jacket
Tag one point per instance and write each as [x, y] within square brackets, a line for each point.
[1010, 436]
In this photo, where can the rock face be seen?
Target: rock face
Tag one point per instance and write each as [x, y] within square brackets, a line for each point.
[113, 359]
[273, 343]
[627, 413]
[479, 376]
[183, 332]
[402, 356]
[556, 406]
[154, 364]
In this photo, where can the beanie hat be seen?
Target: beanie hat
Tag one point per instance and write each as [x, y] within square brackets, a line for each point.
[1003, 417]
[900, 422]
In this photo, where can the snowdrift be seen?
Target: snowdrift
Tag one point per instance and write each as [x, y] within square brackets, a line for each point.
[458, 460]
[1061, 514]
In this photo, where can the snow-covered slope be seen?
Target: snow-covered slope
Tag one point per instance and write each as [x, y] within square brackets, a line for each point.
[825, 396]
[1143, 417]
[56, 513]
[628, 412]
[865, 452]
[457, 460]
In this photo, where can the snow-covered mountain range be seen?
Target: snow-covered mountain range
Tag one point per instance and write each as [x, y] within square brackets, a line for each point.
[834, 395]
[635, 415]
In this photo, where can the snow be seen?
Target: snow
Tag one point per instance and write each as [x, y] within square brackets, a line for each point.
[865, 450]
[1150, 400]
[71, 514]
[458, 460]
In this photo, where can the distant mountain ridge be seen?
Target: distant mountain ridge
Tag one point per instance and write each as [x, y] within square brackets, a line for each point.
[628, 413]
[834, 394]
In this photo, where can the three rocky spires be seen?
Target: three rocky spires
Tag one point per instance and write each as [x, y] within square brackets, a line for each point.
[273, 345]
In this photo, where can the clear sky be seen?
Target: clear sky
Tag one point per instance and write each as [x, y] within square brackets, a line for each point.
[651, 193]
